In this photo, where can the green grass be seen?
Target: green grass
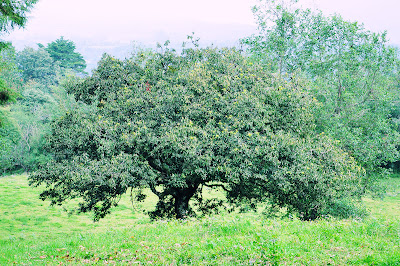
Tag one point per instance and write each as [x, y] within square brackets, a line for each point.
[33, 233]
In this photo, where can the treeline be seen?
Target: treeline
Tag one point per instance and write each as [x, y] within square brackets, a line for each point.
[35, 77]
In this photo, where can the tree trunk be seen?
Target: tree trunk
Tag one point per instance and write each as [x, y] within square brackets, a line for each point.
[182, 197]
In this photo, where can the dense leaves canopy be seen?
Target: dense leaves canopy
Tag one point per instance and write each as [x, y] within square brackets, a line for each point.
[63, 52]
[176, 123]
[351, 71]
[35, 75]
[37, 65]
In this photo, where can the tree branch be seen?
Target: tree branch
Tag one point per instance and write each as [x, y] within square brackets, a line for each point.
[154, 165]
[217, 185]
[153, 189]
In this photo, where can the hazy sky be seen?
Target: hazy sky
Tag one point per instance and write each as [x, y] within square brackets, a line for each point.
[124, 21]
[128, 19]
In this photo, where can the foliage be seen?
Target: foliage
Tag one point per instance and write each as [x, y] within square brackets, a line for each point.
[13, 14]
[9, 83]
[63, 52]
[8, 73]
[352, 72]
[9, 136]
[177, 123]
[6, 95]
[37, 65]
[27, 122]
[30, 117]
[37, 102]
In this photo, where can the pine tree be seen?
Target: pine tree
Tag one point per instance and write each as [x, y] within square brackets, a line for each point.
[63, 51]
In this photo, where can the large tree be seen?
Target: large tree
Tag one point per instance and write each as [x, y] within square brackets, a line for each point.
[177, 123]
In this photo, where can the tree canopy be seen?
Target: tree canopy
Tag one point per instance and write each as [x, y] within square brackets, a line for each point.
[177, 123]
[37, 65]
[63, 52]
[351, 71]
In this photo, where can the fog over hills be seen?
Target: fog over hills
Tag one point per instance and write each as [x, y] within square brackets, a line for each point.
[122, 43]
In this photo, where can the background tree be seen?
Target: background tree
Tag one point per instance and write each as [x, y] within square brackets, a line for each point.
[177, 123]
[63, 52]
[37, 65]
[27, 123]
[12, 14]
[39, 99]
[29, 117]
[349, 70]
[276, 45]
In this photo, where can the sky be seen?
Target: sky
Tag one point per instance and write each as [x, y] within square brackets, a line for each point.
[130, 20]
[99, 26]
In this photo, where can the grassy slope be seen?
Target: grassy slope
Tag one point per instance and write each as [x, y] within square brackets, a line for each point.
[32, 232]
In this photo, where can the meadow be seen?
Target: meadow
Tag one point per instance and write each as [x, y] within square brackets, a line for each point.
[34, 233]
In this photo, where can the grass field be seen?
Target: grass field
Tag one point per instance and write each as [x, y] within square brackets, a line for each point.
[33, 233]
